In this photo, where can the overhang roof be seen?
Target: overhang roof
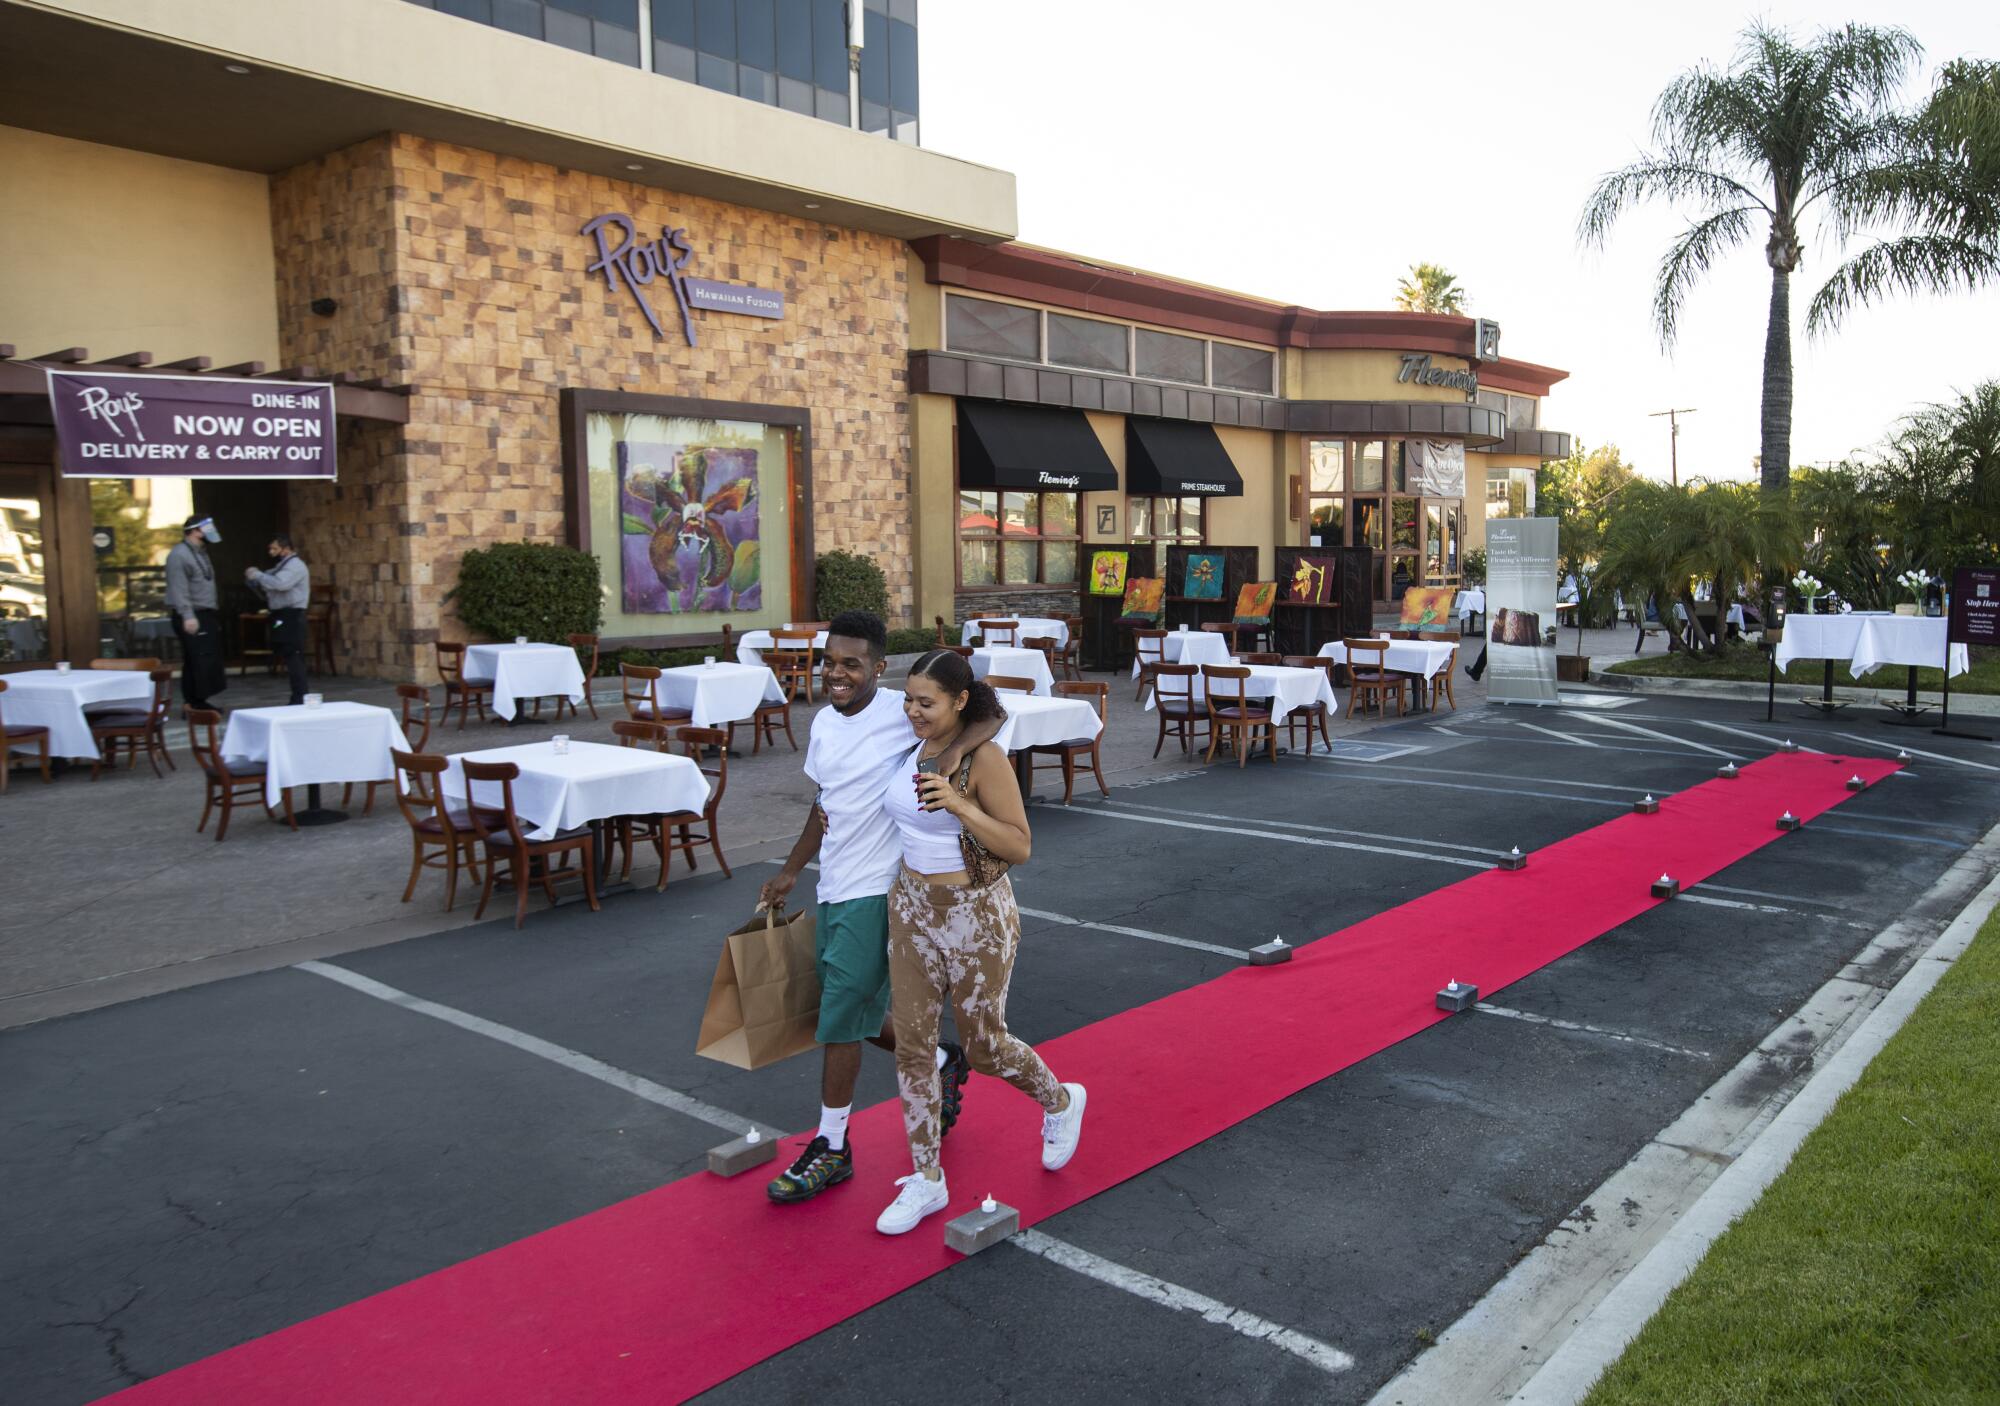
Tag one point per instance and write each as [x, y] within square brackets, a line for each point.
[24, 386]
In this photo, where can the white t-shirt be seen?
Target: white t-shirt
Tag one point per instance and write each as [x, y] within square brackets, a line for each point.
[853, 760]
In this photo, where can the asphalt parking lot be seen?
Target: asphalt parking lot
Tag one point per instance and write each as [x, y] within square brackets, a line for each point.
[191, 1170]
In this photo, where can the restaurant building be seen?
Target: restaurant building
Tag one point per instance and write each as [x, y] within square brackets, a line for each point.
[669, 281]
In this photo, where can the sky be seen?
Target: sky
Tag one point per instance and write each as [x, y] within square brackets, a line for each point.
[1310, 151]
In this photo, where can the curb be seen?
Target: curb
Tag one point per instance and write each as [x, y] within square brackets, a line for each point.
[1984, 705]
[1574, 1368]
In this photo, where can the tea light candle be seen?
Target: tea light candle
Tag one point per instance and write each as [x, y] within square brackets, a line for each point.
[989, 1205]
[63, 667]
[520, 639]
[753, 1136]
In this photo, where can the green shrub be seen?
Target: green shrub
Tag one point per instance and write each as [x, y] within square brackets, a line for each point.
[911, 640]
[607, 665]
[1475, 567]
[847, 581]
[537, 589]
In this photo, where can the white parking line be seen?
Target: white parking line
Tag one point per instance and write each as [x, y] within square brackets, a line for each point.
[1327, 1358]
[1753, 736]
[1347, 776]
[1566, 737]
[1316, 829]
[1624, 726]
[1531, 1018]
[1713, 902]
[1549, 780]
[1774, 897]
[1900, 746]
[569, 1059]
[1103, 814]
[1063, 918]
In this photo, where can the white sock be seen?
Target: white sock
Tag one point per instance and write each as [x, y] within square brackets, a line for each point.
[833, 1125]
[942, 1056]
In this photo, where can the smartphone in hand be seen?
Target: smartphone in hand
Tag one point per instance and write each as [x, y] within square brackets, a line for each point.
[926, 766]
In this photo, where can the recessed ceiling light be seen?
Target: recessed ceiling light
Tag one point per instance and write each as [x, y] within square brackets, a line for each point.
[235, 68]
[812, 205]
[635, 165]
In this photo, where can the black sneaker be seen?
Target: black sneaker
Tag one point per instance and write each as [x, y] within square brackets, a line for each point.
[951, 1080]
[818, 1167]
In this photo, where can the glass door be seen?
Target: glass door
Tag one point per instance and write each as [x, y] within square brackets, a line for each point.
[1404, 545]
[24, 569]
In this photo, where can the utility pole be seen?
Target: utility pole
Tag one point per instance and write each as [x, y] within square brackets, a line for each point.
[1674, 437]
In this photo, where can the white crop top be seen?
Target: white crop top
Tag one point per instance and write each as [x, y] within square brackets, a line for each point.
[930, 837]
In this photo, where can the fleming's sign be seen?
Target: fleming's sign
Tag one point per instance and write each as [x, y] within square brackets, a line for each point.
[628, 259]
[1417, 370]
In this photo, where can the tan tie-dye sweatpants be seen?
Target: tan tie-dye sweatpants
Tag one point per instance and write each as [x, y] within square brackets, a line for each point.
[955, 944]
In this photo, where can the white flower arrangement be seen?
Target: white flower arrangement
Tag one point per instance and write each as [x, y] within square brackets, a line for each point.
[1914, 582]
[1808, 585]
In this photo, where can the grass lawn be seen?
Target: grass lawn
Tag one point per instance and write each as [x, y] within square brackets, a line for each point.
[1747, 664]
[1870, 1270]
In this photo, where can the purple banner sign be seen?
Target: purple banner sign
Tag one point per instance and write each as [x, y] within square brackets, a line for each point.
[745, 298]
[1975, 606]
[136, 426]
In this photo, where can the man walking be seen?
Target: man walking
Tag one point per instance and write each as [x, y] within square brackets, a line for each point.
[286, 588]
[191, 602]
[857, 750]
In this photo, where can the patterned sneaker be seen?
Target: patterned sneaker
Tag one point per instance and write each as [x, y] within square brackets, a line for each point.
[1061, 1131]
[951, 1079]
[818, 1167]
[917, 1197]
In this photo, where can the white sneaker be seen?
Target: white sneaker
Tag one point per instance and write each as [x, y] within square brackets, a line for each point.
[1061, 1131]
[918, 1198]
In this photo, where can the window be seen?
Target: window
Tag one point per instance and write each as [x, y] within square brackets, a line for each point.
[996, 329]
[1521, 412]
[1510, 493]
[1492, 400]
[1164, 357]
[1016, 539]
[1368, 467]
[1080, 341]
[1242, 368]
[1171, 520]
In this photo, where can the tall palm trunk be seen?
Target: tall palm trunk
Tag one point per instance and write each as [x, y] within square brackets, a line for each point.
[1777, 420]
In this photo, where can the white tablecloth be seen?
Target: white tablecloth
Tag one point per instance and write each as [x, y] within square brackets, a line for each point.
[521, 671]
[45, 698]
[1041, 722]
[1032, 627]
[1734, 617]
[303, 746]
[1287, 688]
[719, 695]
[1027, 664]
[591, 782]
[1421, 657]
[1470, 601]
[1867, 642]
[1192, 647]
[751, 648]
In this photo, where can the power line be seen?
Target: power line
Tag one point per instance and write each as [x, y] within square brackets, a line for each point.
[1674, 437]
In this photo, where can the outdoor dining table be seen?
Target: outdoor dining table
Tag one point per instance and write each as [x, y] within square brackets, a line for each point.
[1014, 663]
[1469, 602]
[1422, 658]
[753, 646]
[54, 700]
[1191, 647]
[1042, 722]
[719, 694]
[1287, 687]
[310, 747]
[1867, 640]
[523, 671]
[1031, 627]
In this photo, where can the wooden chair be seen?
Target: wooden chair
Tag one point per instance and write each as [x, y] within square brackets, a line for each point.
[1231, 713]
[1439, 684]
[1070, 752]
[580, 643]
[254, 625]
[1174, 701]
[641, 696]
[1261, 657]
[1007, 683]
[527, 860]
[945, 641]
[764, 725]
[1368, 677]
[323, 628]
[625, 829]
[991, 630]
[1046, 645]
[457, 692]
[433, 823]
[794, 658]
[697, 741]
[816, 626]
[1317, 713]
[135, 729]
[25, 735]
[140, 666]
[1223, 627]
[1071, 654]
[227, 785]
[963, 651]
[1150, 650]
[415, 701]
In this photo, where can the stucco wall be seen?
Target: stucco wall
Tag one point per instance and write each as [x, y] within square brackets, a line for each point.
[118, 251]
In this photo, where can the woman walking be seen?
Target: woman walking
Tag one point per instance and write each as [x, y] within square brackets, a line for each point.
[953, 929]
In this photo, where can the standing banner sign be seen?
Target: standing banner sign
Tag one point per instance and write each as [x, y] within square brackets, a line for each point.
[1521, 608]
[1974, 618]
[112, 425]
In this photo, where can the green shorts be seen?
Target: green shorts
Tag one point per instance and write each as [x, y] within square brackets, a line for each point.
[851, 950]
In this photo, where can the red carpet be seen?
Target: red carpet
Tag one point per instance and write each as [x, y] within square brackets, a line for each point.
[661, 1296]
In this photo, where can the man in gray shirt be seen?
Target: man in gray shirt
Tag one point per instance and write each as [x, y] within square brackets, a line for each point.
[191, 601]
[287, 589]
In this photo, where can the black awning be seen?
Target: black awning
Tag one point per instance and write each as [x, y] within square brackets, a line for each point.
[1177, 459]
[1030, 449]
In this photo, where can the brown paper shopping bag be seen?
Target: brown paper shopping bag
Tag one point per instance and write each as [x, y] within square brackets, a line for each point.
[763, 1005]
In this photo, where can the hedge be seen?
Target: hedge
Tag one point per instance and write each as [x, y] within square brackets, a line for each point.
[847, 581]
[538, 589]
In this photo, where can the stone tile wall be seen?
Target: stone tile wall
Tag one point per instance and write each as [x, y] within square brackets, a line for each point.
[461, 273]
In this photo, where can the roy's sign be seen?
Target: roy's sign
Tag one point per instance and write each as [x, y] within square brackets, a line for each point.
[629, 260]
[114, 425]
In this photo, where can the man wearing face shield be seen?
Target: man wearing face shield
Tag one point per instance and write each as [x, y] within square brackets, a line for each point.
[286, 588]
[191, 602]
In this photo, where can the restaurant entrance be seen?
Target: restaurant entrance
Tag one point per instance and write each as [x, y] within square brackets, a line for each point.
[1414, 539]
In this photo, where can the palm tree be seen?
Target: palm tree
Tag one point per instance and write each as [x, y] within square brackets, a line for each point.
[1728, 532]
[1785, 128]
[1430, 288]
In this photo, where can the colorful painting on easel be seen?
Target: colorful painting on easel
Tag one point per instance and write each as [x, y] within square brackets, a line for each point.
[1312, 581]
[1204, 576]
[1107, 573]
[1427, 608]
[1145, 598]
[1254, 602]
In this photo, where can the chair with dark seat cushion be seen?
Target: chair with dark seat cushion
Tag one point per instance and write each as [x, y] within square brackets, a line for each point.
[432, 822]
[1073, 750]
[416, 705]
[1149, 649]
[228, 784]
[504, 841]
[458, 692]
[1174, 701]
[135, 728]
[1232, 715]
[1370, 677]
[25, 735]
[697, 741]
[641, 696]
[1317, 712]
